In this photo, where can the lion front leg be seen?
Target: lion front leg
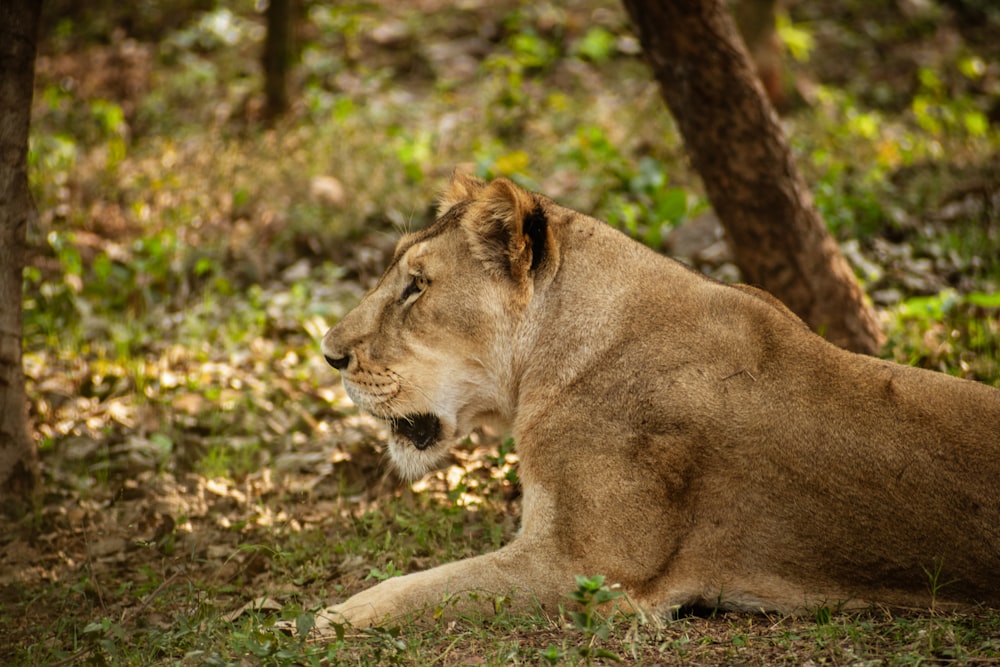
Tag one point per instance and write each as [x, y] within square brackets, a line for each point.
[527, 576]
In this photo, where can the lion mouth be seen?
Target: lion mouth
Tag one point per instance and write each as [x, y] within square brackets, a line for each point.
[421, 430]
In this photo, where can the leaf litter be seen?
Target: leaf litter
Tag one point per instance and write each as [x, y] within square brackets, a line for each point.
[202, 462]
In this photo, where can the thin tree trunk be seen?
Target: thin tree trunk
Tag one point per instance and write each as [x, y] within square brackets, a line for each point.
[18, 35]
[735, 142]
[277, 56]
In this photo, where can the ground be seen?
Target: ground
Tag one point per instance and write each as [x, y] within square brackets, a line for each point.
[205, 475]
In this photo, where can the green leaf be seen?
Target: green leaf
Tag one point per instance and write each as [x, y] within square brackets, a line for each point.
[589, 583]
[976, 123]
[671, 205]
[305, 622]
[597, 45]
[984, 299]
[796, 39]
[606, 595]
[606, 654]
[96, 627]
[203, 266]
[582, 620]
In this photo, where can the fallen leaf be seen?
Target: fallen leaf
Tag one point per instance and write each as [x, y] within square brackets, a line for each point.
[263, 603]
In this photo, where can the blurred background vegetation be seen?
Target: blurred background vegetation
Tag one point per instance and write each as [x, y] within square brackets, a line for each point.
[192, 247]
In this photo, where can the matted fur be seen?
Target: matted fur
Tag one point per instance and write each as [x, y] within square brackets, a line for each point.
[689, 440]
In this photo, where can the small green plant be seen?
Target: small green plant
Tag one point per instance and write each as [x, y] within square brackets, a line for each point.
[552, 655]
[104, 636]
[823, 615]
[591, 593]
[389, 572]
[387, 645]
[934, 581]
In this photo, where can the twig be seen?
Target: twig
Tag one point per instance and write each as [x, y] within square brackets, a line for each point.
[74, 657]
[149, 598]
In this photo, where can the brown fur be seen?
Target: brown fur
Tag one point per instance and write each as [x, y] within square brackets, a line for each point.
[691, 441]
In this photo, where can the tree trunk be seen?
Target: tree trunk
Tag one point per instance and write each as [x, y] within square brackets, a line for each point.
[277, 56]
[736, 144]
[18, 35]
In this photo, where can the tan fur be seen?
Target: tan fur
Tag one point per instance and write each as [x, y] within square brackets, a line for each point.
[692, 441]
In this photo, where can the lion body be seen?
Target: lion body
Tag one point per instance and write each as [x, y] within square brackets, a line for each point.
[691, 441]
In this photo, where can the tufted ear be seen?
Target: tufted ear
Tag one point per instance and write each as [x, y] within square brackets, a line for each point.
[463, 186]
[509, 229]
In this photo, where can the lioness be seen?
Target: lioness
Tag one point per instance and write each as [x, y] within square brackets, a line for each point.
[692, 441]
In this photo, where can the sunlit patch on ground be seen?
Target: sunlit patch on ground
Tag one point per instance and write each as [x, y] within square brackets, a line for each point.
[205, 474]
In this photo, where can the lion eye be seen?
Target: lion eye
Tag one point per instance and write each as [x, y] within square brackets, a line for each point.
[416, 285]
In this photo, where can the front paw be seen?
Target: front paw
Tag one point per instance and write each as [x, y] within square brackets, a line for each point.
[371, 607]
[340, 615]
[328, 623]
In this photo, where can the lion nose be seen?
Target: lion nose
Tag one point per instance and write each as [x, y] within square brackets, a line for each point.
[336, 347]
[340, 363]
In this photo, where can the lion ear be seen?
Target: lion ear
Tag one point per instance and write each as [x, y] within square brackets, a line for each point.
[463, 186]
[510, 230]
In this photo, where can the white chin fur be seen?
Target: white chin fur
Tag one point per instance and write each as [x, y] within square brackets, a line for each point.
[412, 463]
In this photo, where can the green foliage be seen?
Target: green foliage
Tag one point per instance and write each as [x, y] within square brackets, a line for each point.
[182, 273]
[939, 111]
[635, 195]
[797, 39]
[389, 572]
[957, 334]
[413, 152]
[531, 51]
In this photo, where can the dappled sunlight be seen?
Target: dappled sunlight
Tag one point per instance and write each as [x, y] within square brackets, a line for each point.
[205, 474]
[483, 467]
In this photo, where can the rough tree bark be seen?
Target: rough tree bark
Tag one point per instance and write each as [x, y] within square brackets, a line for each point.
[18, 35]
[735, 142]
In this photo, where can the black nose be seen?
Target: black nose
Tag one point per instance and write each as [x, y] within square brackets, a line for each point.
[340, 363]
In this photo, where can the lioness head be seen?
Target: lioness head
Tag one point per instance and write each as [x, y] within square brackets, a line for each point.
[428, 350]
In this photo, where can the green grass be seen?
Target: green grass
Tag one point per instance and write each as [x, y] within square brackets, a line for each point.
[199, 455]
